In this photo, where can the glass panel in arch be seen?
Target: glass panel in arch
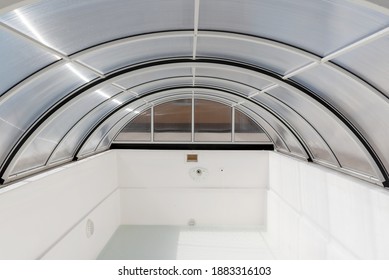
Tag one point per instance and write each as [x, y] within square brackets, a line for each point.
[173, 121]
[137, 130]
[246, 130]
[213, 121]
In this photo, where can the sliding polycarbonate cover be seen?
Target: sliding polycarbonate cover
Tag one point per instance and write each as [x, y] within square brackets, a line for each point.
[21, 109]
[40, 148]
[152, 74]
[212, 121]
[19, 59]
[351, 155]
[317, 26]
[138, 129]
[173, 121]
[370, 62]
[72, 26]
[136, 50]
[261, 55]
[69, 144]
[366, 110]
[316, 145]
[246, 130]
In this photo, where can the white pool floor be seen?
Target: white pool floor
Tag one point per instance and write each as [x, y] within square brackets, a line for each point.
[133, 242]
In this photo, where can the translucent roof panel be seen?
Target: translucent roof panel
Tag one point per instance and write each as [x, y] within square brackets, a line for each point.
[367, 111]
[173, 121]
[255, 53]
[21, 109]
[20, 58]
[267, 128]
[138, 129]
[98, 135]
[152, 74]
[40, 148]
[136, 50]
[232, 74]
[348, 150]
[288, 138]
[317, 146]
[69, 144]
[163, 84]
[370, 63]
[246, 130]
[132, 112]
[212, 121]
[222, 84]
[320, 27]
[82, 24]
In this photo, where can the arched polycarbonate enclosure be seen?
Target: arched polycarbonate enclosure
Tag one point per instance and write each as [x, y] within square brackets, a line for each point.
[309, 77]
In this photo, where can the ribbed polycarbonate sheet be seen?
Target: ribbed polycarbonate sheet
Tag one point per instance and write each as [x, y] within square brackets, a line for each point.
[315, 143]
[92, 22]
[69, 144]
[352, 154]
[212, 121]
[290, 140]
[20, 59]
[138, 50]
[152, 74]
[261, 55]
[222, 84]
[246, 130]
[232, 74]
[269, 130]
[217, 96]
[369, 112]
[320, 27]
[162, 84]
[173, 121]
[40, 148]
[21, 109]
[370, 62]
[101, 131]
[115, 132]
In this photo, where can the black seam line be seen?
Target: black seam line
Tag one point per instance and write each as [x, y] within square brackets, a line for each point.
[191, 146]
[214, 61]
[284, 122]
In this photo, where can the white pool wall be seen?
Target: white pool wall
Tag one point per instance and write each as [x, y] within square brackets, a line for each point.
[317, 213]
[307, 211]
